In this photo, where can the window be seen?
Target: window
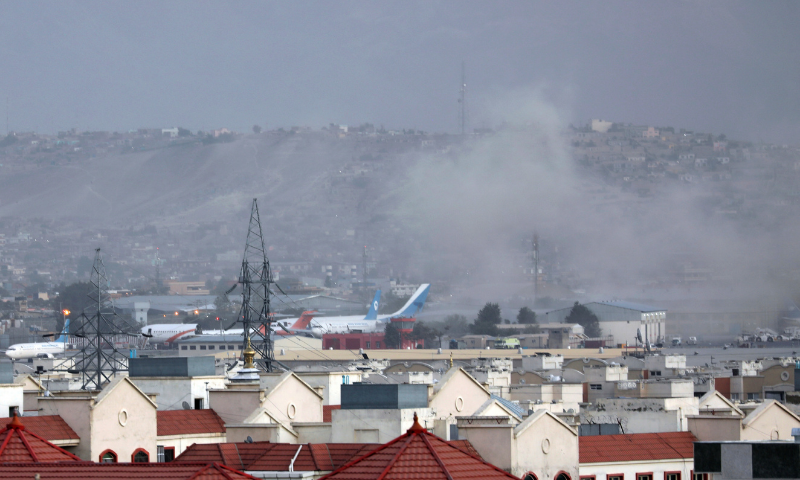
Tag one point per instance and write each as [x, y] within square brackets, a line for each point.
[753, 396]
[184, 347]
[169, 454]
[160, 453]
[655, 373]
[672, 475]
[108, 456]
[377, 344]
[595, 386]
[699, 476]
[734, 396]
[367, 344]
[562, 476]
[140, 455]
[231, 347]
[192, 347]
[616, 476]
[198, 403]
[345, 379]
[588, 477]
[13, 411]
[530, 476]
[211, 347]
[644, 476]
[202, 347]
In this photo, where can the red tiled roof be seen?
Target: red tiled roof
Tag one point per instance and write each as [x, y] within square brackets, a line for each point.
[89, 470]
[466, 447]
[268, 456]
[326, 412]
[50, 427]
[17, 445]
[188, 422]
[636, 447]
[418, 454]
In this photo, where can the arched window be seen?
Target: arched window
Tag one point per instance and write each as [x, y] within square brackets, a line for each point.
[108, 456]
[563, 476]
[140, 455]
[530, 476]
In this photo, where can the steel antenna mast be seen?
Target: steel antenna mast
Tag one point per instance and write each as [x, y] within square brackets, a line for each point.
[99, 360]
[255, 278]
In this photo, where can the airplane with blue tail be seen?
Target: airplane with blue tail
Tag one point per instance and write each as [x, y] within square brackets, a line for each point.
[22, 351]
[372, 322]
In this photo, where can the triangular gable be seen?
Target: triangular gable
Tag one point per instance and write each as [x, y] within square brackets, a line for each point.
[29, 384]
[113, 384]
[450, 375]
[260, 414]
[285, 377]
[713, 400]
[768, 404]
[490, 409]
[535, 417]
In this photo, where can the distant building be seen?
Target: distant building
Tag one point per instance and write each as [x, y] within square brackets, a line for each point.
[625, 321]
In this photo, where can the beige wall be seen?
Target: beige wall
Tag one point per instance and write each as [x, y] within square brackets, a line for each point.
[715, 428]
[138, 431]
[773, 424]
[293, 401]
[11, 396]
[332, 381]
[182, 442]
[363, 425]
[546, 448]
[259, 433]
[75, 412]
[234, 405]
[313, 432]
[493, 442]
[459, 396]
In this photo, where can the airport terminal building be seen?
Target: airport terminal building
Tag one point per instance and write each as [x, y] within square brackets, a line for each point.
[622, 320]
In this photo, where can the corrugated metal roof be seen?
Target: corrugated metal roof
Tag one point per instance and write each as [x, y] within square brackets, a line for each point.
[518, 411]
[630, 306]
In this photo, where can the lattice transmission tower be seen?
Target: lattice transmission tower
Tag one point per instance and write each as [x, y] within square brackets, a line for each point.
[98, 332]
[255, 278]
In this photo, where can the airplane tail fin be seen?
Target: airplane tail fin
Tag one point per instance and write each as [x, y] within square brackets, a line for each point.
[372, 314]
[792, 312]
[304, 320]
[415, 303]
[64, 333]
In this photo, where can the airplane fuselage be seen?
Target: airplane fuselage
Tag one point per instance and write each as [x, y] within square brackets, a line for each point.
[32, 350]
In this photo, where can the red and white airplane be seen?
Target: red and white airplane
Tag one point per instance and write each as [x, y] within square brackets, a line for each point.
[171, 332]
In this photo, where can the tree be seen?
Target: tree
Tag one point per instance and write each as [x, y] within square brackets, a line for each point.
[526, 316]
[393, 337]
[424, 333]
[488, 318]
[490, 313]
[584, 317]
[256, 129]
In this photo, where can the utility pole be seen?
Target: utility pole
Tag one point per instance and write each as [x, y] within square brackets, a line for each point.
[364, 273]
[157, 263]
[462, 100]
[99, 360]
[535, 261]
[255, 278]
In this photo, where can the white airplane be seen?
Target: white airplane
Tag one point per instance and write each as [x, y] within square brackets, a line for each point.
[372, 322]
[170, 332]
[32, 350]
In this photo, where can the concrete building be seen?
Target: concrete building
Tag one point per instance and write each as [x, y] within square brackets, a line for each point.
[542, 445]
[114, 424]
[644, 456]
[622, 320]
[747, 460]
[643, 415]
[331, 383]
[720, 419]
[177, 382]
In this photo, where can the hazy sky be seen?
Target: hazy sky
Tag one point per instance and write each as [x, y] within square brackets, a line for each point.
[725, 67]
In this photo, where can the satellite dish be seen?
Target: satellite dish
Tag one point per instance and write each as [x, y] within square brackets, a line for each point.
[186, 406]
[249, 439]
